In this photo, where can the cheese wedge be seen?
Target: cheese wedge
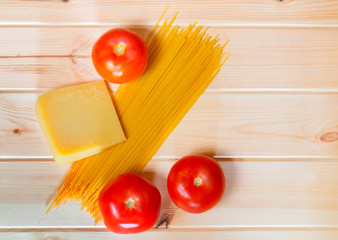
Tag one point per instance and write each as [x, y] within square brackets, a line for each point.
[78, 121]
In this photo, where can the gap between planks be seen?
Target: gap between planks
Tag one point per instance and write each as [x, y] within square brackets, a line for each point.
[176, 229]
[174, 158]
[212, 91]
[181, 23]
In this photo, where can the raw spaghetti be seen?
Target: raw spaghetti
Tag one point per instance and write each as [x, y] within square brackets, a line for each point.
[182, 63]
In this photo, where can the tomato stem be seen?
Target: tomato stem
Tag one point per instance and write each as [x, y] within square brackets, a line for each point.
[119, 49]
[130, 203]
[198, 181]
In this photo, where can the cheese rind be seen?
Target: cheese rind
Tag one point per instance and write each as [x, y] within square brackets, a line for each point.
[78, 121]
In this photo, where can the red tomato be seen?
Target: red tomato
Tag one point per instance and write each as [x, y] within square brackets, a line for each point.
[196, 183]
[120, 55]
[129, 204]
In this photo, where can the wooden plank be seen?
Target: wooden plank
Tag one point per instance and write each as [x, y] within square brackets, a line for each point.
[131, 11]
[231, 125]
[274, 194]
[303, 59]
[179, 235]
[45, 73]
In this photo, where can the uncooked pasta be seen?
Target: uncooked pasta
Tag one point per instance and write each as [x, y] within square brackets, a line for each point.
[182, 63]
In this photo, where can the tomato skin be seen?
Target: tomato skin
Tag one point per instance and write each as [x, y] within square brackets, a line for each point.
[137, 218]
[125, 67]
[181, 183]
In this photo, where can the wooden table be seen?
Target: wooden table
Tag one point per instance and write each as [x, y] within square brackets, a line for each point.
[270, 116]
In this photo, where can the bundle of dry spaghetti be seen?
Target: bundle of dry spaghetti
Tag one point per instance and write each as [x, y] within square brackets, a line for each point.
[182, 63]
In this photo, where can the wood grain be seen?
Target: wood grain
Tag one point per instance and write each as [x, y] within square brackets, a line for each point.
[258, 195]
[270, 116]
[261, 59]
[231, 125]
[135, 11]
[179, 235]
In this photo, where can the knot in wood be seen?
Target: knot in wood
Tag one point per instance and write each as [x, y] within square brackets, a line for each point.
[329, 137]
[17, 131]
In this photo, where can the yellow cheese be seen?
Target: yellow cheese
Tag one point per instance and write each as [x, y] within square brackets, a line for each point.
[78, 121]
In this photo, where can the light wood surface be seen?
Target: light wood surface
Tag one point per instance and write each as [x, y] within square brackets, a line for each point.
[261, 59]
[73, 12]
[299, 193]
[181, 235]
[231, 125]
[270, 116]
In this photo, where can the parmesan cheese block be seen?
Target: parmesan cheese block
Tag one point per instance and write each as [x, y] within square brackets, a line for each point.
[78, 121]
